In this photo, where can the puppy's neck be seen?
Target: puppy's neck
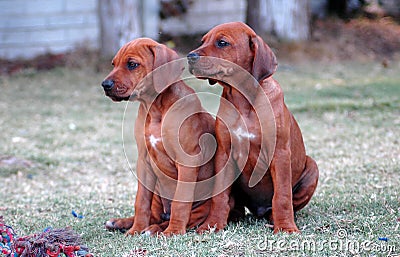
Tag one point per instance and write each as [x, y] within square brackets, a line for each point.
[242, 95]
[240, 102]
[164, 100]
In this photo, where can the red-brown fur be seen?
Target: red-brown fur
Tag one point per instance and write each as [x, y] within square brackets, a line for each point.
[154, 164]
[291, 178]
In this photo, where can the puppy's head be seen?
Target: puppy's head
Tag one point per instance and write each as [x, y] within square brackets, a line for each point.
[132, 63]
[234, 42]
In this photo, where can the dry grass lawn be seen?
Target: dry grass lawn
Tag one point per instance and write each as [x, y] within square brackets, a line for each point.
[61, 122]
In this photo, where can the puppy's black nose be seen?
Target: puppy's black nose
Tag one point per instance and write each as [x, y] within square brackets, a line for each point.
[193, 57]
[107, 84]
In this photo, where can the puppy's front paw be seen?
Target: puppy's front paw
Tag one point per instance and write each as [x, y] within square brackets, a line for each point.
[121, 225]
[289, 230]
[172, 231]
[152, 230]
[134, 230]
[211, 225]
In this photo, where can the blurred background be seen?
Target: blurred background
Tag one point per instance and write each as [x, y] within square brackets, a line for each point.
[47, 33]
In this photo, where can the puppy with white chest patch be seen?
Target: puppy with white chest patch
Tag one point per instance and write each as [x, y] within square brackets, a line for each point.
[169, 131]
[287, 177]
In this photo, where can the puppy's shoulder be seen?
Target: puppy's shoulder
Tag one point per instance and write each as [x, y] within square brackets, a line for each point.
[271, 87]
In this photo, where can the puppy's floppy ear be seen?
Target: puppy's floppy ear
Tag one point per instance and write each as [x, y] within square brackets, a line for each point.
[264, 61]
[166, 67]
[162, 55]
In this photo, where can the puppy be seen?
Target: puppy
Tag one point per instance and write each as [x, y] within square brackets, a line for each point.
[280, 181]
[172, 133]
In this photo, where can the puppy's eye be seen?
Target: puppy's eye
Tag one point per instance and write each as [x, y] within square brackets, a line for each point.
[112, 63]
[132, 65]
[222, 43]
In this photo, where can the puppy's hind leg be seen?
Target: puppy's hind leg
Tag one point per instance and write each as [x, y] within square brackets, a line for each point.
[305, 187]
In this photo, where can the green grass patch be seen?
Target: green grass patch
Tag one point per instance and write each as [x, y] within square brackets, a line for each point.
[61, 121]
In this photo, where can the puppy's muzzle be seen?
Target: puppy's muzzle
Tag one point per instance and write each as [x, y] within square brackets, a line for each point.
[193, 58]
[107, 84]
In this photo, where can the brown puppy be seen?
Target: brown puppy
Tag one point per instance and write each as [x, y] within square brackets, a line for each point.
[288, 180]
[168, 128]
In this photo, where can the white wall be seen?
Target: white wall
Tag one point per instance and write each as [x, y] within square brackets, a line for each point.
[32, 27]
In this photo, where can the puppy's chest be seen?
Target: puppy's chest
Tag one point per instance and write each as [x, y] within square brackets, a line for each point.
[245, 130]
[155, 143]
[246, 139]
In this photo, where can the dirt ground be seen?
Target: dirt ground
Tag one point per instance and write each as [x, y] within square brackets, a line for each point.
[359, 40]
[332, 40]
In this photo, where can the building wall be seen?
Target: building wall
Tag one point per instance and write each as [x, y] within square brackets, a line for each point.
[30, 28]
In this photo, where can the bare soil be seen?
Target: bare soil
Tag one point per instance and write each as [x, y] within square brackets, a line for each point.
[337, 40]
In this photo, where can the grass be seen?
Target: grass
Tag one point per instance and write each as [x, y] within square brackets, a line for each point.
[61, 122]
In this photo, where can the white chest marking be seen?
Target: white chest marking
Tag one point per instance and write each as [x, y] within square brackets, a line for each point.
[240, 133]
[154, 140]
